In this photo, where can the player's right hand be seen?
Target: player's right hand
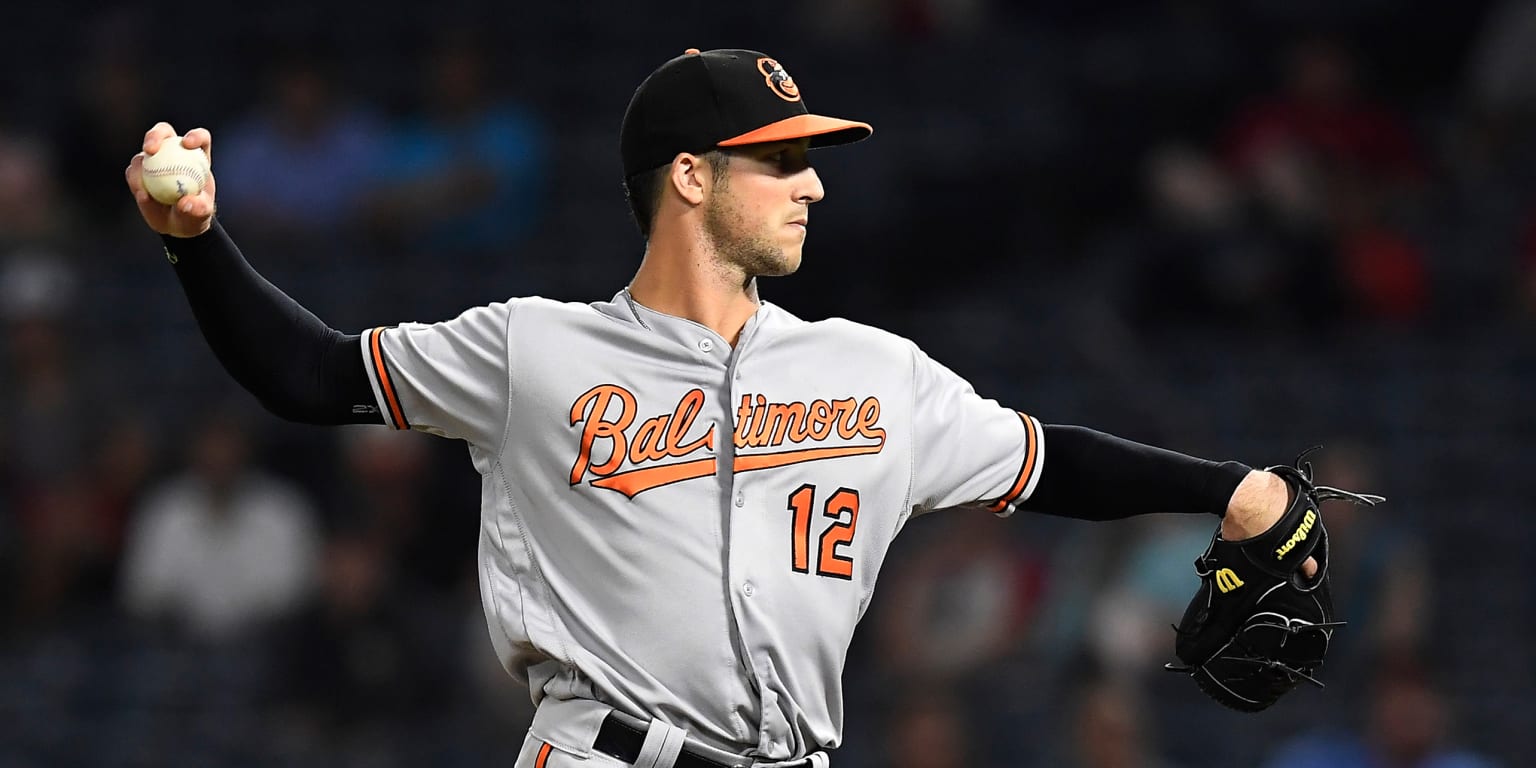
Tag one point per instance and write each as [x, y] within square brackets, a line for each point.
[192, 215]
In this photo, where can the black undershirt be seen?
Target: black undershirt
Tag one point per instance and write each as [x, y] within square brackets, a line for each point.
[298, 367]
[1091, 475]
[303, 370]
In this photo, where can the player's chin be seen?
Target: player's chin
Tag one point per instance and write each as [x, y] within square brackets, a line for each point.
[792, 251]
[789, 261]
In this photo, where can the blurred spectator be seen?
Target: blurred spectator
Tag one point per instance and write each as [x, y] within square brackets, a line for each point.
[71, 526]
[60, 477]
[1205, 256]
[33, 208]
[221, 548]
[1384, 271]
[298, 164]
[1323, 118]
[1109, 729]
[1527, 265]
[927, 730]
[46, 406]
[961, 602]
[1408, 725]
[1322, 157]
[384, 491]
[112, 101]
[68, 551]
[357, 660]
[1502, 68]
[124, 457]
[464, 171]
[1378, 571]
[1152, 581]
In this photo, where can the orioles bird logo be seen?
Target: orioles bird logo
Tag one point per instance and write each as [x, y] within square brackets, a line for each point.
[778, 80]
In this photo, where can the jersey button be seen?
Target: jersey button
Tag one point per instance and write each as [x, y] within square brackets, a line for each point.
[741, 499]
[706, 345]
[748, 589]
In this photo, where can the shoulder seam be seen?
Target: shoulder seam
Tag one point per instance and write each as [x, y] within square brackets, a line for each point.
[506, 424]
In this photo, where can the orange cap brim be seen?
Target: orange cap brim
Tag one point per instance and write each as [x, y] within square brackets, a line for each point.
[829, 130]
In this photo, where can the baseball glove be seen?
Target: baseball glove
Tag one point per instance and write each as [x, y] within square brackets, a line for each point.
[1257, 627]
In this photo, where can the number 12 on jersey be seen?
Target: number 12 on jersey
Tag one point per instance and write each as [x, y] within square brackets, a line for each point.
[828, 561]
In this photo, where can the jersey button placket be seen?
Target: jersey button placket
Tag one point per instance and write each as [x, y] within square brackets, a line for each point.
[739, 560]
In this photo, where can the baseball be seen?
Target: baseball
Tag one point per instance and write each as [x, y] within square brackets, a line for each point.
[174, 171]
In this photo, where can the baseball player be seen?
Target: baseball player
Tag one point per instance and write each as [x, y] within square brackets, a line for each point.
[687, 492]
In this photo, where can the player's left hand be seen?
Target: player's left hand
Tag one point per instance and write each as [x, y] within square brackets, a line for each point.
[1259, 624]
[1259, 502]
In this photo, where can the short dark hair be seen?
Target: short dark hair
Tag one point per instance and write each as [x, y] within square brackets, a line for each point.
[643, 190]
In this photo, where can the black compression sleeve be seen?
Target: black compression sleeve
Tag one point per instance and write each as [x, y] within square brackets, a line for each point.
[297, 366]
[1094, 476]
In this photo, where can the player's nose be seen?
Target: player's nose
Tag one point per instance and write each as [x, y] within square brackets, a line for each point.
[809, 189]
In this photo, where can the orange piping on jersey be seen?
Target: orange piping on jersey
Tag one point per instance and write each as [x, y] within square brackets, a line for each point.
[1031, 442]
[785, 458]
[384, 383]
[636, 481]
[543, 756]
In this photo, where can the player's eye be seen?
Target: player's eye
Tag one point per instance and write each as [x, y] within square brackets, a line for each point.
[788, 161]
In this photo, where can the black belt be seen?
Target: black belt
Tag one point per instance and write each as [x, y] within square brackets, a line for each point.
[617, 739]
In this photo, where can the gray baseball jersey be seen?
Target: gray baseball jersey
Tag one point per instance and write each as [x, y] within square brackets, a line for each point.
[683, 529]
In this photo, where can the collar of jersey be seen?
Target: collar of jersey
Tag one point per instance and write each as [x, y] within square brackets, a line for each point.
[681, 330]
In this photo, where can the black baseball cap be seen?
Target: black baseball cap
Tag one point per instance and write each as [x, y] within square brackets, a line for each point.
[721, 98]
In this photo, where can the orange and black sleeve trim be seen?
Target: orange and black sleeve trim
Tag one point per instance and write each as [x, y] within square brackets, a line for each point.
[1097, 476]
[543, 758]
[1027, 469]
[379, 366]
[298, 367]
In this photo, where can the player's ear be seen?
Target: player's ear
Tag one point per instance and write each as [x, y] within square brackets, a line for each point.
[689, 177]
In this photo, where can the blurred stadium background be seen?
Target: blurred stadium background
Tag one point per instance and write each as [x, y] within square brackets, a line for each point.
[1236, 228]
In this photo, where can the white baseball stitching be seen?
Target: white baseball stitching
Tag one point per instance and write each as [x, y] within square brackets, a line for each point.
[177, 170]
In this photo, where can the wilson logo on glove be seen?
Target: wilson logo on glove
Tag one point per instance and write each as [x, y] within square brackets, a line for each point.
[1299, 536]
[1227, 580]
